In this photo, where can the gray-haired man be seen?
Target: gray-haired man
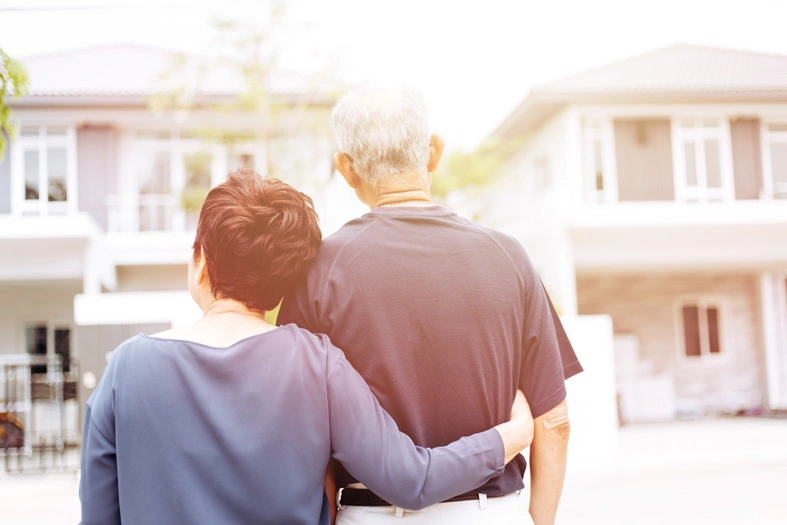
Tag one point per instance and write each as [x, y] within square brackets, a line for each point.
[445, 319]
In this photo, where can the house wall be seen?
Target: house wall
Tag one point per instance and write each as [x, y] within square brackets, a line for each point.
[96, 170]
[532, 200]
[644, 160]
[524, 196]
[5, 181]
[152, 278]
[21, 304]
[746, 158]
[645, 306]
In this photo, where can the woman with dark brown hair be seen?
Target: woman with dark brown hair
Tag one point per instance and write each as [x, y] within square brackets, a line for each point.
[231, 420]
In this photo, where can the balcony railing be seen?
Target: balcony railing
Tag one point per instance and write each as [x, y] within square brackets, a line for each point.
[161, 212]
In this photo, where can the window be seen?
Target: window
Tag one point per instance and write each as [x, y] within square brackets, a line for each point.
[700, 322]
[776, 160]
[597, 164]
[173, 175]
[47, 339]
[35, 342]
[198, 167]
[46, 155]
[701, 173]
[154, 182]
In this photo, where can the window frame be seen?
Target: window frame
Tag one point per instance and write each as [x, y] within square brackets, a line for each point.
[124, 208]
[41, 142]
[702, 302]
[696, 135]
[599, 130]
[768, 137]
[51, 326]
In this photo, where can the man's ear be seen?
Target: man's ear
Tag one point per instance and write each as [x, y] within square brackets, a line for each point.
[345, 166]
[436, 146]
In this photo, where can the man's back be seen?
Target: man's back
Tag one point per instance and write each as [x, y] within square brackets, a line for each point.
[443, 318]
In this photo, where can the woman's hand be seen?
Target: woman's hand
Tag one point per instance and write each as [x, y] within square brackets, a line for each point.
[520, 411]
[517, 434]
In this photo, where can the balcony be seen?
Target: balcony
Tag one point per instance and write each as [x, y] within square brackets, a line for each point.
[664, 235]
[151, 212]
[149, 229]
[687, 160]
[677, 192]
[54, 248]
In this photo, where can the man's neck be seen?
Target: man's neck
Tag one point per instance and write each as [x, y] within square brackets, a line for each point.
[406, 191]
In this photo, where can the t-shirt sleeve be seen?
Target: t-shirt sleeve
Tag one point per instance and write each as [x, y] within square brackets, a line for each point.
[547, 355]
[366, 440]
[571, 365]
[98, 482]
[300, 308]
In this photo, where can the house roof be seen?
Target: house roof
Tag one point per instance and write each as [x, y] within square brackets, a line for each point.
[132, 72]
[678, 73]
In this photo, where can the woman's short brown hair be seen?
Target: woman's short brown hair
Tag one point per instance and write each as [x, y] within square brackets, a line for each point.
[259, 236]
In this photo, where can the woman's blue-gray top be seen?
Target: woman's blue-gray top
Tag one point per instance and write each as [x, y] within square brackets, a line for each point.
[180, 432]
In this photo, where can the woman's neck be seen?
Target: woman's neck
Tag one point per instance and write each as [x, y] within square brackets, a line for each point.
[228, 307]
[223, 323]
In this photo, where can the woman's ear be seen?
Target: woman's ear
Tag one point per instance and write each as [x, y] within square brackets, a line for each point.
[201, 269]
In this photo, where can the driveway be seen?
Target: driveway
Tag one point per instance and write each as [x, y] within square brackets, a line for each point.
[724, 471]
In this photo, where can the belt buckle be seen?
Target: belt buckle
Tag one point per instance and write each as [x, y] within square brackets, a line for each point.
[339, 505]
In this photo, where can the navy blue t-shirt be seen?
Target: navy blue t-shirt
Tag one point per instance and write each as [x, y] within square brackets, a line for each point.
[444, 318]
[178, 432]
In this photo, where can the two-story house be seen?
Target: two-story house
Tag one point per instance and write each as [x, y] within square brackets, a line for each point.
[655, 190]
[99, 196]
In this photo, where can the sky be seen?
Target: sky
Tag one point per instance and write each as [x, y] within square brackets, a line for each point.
[474, 60]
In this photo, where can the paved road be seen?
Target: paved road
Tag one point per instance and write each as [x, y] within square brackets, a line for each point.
[720, 472]
[727, 471]
[729, 494]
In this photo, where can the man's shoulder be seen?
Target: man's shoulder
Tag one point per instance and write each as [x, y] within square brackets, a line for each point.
[360, 233]
[347, 232]
[334, 244]
[505, 242]
[508, 249]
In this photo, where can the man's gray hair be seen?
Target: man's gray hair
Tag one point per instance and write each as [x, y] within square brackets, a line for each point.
[384, 130]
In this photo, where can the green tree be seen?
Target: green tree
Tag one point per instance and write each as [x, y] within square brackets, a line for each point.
[248, 49]
[13, 83]
[470, 172]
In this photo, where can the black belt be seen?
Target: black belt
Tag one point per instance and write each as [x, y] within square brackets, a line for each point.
[367, 498]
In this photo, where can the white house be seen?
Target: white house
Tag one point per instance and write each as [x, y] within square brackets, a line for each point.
[654, 190]
[95, 223]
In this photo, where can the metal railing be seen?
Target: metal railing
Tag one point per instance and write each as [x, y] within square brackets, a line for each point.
[40, 414]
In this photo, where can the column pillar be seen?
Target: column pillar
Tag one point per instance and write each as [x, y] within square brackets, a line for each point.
[565, 277]
[773, 330]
